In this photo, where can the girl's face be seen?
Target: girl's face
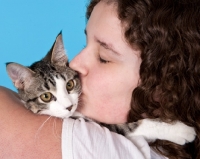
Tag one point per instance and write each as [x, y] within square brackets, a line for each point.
[108, 68]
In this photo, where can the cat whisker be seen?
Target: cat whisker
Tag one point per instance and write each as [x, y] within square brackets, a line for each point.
[54, 128]
[41, 126]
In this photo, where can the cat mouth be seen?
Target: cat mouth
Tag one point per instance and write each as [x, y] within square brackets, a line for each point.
[69, 108]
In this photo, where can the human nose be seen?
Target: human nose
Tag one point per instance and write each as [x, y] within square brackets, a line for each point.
[79, 63]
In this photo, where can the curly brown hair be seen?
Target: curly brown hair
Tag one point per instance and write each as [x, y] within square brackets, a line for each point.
[168, 34]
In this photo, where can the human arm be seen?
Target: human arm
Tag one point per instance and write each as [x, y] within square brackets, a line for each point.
[21, 136]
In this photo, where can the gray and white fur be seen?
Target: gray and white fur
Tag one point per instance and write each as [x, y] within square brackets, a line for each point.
[48, 86]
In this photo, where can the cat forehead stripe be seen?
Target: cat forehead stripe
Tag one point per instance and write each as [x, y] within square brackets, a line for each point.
[46, 86]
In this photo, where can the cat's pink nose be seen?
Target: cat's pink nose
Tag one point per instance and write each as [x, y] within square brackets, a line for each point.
[69, 108]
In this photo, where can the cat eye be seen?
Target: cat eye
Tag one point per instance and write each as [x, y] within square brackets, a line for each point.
[70, 85]
[46, 97]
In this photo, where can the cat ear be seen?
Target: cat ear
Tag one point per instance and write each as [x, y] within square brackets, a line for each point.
[20, 75]
[57, 54]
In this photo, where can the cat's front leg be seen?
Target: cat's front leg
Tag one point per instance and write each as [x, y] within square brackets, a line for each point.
[151, 130]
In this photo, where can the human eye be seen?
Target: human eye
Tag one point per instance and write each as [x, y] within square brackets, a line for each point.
[103, 60]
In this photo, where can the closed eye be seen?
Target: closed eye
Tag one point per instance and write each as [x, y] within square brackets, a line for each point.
[103, 61]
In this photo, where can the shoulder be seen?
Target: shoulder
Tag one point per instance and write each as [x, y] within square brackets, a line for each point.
[6, 93]
[9, 101]
[38, 131]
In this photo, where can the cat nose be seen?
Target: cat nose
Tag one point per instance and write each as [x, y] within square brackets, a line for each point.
[70, 107]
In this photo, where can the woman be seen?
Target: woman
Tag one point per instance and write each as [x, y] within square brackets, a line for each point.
[163, 38]
[130, 59]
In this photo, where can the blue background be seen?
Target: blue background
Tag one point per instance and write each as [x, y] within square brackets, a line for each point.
[29, 28]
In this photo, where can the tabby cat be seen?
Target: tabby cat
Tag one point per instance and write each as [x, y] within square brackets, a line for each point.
[51, 87]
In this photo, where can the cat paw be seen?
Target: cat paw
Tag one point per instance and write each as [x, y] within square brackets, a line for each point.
[179, 133]
[176, 132]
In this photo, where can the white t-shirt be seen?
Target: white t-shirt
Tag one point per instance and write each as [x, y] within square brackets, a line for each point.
[88, 140]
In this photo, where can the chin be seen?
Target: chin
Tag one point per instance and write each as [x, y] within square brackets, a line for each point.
[60, 114]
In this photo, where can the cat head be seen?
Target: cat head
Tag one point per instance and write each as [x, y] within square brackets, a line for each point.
[48, 86]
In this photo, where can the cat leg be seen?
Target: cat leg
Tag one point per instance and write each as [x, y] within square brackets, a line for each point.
[151, 130]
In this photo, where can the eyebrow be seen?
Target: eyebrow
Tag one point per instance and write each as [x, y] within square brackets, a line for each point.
[108, 46]
[105, 45]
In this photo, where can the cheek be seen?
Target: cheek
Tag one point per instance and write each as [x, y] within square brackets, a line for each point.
[102, 85]
[108, 95]
[109, 99]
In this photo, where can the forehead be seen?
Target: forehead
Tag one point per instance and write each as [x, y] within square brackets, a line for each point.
[105, 26]
[104, 20]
